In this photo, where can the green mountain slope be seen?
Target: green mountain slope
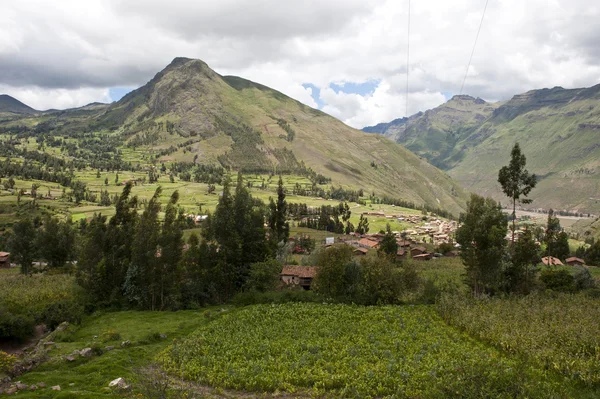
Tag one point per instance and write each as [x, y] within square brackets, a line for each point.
[10, 104]
[558, 130]
[434, 134]
[189, 113]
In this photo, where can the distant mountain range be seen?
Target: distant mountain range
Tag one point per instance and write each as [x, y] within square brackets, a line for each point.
[558, 130]
[189, 113]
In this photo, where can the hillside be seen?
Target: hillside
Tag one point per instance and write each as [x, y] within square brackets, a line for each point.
[10, 104]
[189, 113]
[556, 128]
[434, 134]
[558, 132]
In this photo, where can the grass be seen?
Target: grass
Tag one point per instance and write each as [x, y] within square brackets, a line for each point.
[89, 377]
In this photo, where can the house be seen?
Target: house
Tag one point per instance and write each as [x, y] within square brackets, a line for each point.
[298, 275]
[424, 256]
[551, 260]
[574, 261]
[360, 251]
[418, 251]
[401, 254]
[403, 243]
[367, 243]
[452, 254]
[4, 259]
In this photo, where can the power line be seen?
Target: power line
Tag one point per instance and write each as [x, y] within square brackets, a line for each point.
[474, 44]
[407, 57]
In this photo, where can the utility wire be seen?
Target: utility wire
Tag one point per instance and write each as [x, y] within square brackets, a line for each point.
[474, 44]
[407, 57]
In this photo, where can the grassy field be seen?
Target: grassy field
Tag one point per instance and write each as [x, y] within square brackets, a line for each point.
[89, 377]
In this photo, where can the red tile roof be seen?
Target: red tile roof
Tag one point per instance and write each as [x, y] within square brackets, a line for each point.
[569, 260]
[368, 243]
[299, 271]
[550, 260]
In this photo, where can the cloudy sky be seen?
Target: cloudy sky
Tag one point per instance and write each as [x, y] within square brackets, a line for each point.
[346, 57]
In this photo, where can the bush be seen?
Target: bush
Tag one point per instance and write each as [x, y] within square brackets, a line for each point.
[110, 335]
[583, 279]
[68, 309]
[6, 362]
[15, 327]
[557, 280]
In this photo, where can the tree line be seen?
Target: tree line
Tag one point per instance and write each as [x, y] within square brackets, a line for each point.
[138, 260]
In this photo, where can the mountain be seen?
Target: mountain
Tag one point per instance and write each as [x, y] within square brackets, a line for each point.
[190, 113]
[434, 134]
[557, 129]
[10, 104]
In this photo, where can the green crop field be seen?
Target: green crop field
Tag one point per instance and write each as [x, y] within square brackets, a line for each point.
[353, 351]
[559, 333]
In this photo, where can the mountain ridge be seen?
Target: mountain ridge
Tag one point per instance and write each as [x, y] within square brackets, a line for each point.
[554, 126]
[189, 113]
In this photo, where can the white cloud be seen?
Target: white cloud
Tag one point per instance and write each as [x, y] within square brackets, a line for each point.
[43, 99]
[76, 49]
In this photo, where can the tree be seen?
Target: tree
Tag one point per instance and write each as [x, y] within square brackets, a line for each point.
[143, 281]
[333, 278]
[91, 254]
[516, 182]
[280, 228]
[520, 275]
[481, 236]
[363, 225]
[264, 276]
[171, 247]
[388, 245]
[55, 241]
[557, 241]
[22, 244]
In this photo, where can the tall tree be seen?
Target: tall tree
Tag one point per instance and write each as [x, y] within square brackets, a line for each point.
[171, 248]
[280, 228]
[521, 272]
[143, 281]
[91, 255]
[557, 242]
[56, 241]
[363, 225]
[22, 244]
[516, 182]
[389, 245]
[481, 236]
[119, 239]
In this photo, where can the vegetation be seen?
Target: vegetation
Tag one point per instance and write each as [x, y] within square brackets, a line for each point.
[28, 301]
[516, 182]
[481, 237]
[351, 351]
[558, 332]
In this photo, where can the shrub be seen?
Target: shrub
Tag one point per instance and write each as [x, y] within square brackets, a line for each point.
[583, 279]
[6, 362]
[557, 280]
[68, 309]
[110, 335]
[15, 327]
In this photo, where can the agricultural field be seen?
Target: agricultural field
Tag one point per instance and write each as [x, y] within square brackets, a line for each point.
[559, 332]
[353, 351]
